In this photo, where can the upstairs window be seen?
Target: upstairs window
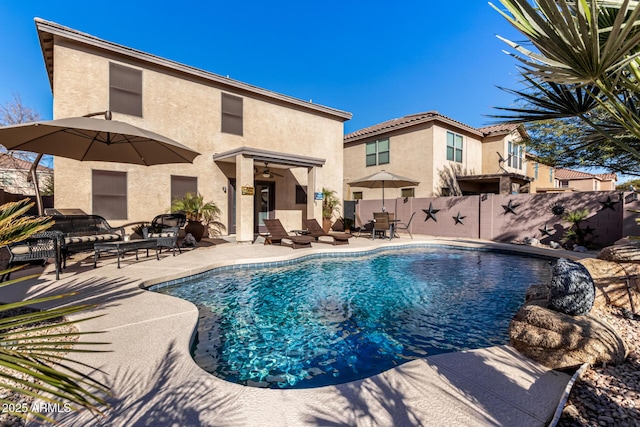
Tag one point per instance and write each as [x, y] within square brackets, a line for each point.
[231, 114]
[377, 152]
[515, 155]
[454, 147]
[125, 90]
[535, 171]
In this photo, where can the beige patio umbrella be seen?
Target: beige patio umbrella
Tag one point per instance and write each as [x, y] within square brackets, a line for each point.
[91, 139]
[383, 179]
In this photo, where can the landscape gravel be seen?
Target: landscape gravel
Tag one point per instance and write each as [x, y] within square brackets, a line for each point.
[609, 395]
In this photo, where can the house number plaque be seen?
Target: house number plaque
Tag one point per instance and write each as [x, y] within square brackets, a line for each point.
[248, 191]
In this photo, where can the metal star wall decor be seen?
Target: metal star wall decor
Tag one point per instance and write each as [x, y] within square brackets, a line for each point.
[510, 207]
[609, 204]
[458, 219]
[431, 213]
[546, 231]
[589, 230]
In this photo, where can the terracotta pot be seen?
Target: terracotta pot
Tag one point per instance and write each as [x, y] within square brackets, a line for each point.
[326, 225]
[196, 228]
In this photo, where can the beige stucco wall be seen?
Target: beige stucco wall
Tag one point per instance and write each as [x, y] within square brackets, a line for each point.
[186, 109]
[545, 179]
[418, 153]
[494, 144]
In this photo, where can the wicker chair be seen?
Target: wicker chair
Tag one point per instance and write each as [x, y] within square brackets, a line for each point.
[165, 228]
[40, 247]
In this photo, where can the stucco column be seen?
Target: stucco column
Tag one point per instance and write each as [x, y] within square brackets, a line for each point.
[314, 184]
[244, 203]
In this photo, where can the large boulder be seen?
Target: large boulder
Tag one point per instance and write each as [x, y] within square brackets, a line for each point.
[625, 252]
[561, 341]
[616, 284]
[571, 290]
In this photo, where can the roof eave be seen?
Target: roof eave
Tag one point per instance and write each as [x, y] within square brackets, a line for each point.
[48, 30]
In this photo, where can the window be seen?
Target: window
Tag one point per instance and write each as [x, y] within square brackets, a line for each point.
[125, 90]
[231, 114]
[377, 152]
[564, 183]
[408, 192]
[181, 185]
[109, 194]
[535, 170]
[551, 175]
[454, 147]
[357, 195]
[301, 194]
[515, 155]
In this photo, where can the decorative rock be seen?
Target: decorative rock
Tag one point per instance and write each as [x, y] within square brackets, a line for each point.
[628, 252]
[578, 248]
[616, 284]
[571, 289]
[560, 341]
[531, 241]
[555, 245]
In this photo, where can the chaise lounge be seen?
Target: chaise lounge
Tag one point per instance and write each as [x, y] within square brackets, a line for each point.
[317, 232]
[277, 234]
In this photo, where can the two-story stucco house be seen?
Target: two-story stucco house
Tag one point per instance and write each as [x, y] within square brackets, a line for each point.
[447, 157]
[280, 147]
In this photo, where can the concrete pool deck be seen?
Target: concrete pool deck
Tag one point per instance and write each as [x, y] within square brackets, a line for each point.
[154, 381]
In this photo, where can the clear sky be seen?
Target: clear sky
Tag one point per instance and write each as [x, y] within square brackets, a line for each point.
[376, 59]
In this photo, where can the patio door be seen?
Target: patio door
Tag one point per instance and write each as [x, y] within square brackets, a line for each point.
[264, 205]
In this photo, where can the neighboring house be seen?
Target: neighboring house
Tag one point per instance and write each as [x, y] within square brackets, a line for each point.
[277, 147]
[543, 175]
[14, 173]
[571, 180]
[447, 157]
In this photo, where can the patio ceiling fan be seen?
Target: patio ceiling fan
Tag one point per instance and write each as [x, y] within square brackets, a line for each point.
[266, 172]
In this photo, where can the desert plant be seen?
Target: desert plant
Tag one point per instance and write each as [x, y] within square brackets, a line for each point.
[330, 203]
[28, 357]
[196, 209]
[576, 234]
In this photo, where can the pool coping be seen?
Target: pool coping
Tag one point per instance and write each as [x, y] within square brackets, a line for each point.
[144, 329]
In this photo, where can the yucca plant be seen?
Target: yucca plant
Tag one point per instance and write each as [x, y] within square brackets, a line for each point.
[582, 55]
[33, 365]
[575, 233]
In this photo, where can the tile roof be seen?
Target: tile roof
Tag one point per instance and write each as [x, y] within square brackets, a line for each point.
[499, 128]
[14, 163]
[403, 122]
[419, 118]
[569, 174]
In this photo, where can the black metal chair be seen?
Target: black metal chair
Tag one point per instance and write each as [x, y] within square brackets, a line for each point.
[362, 228]
[165, 228]
[40, 247]
[405, 226]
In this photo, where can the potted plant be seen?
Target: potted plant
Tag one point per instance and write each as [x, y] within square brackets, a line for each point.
[198, 211]
[330, 203]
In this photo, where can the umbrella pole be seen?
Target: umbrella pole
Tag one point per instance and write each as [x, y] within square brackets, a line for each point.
[382, 196]
[34, 179]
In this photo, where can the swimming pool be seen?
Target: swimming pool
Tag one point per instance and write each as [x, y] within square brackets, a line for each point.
[320, 321]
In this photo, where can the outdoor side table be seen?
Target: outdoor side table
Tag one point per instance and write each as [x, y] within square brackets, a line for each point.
[121, 247]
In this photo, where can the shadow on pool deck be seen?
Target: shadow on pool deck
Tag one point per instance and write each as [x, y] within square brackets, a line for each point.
[155, 381]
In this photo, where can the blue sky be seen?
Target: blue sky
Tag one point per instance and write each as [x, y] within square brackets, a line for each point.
[375, 59]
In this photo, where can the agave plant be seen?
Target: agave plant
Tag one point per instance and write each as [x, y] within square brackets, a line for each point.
[34, 365]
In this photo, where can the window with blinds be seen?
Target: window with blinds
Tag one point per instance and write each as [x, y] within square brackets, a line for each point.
[109, 194]
[125, 90]
[231, 114]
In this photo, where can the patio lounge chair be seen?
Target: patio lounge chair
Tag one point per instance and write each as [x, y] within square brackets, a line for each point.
[406, 227]
[317, 232]
[362, 228]
[277, 234]
[165, 228]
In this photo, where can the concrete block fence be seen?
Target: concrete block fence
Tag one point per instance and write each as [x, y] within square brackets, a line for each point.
[511, 218]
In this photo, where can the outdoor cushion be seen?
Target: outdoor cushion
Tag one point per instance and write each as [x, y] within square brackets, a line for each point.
[91, 238]
[19, 249]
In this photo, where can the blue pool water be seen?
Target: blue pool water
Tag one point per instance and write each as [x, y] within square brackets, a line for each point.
[324, 321]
